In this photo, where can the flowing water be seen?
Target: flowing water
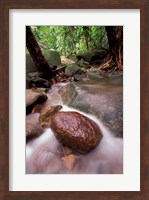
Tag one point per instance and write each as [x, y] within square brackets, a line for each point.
[46, 155]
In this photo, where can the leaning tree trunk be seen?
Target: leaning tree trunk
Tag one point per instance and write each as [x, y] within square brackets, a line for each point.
[36, 54]
[115, 38]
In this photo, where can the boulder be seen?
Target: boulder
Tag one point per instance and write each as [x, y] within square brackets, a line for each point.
[32, 98]
[76, 131]
[103, 98]
[72, 69]
[37, 83]
[37, 79]
[52, 56]
[33, 128]
[30, 66]
[67, 92]
[91, 56]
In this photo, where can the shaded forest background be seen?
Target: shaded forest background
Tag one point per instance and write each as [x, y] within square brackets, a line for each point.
[100, 46]
[71, 40]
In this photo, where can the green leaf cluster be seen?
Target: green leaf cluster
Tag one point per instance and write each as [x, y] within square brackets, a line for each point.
[70, 40]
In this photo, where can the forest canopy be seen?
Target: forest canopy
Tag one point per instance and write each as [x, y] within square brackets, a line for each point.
[71, 40]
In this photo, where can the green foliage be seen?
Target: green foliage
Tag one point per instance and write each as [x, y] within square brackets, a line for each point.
[70, 40]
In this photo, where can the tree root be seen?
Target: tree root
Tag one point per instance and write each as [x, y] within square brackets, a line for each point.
[108, 63]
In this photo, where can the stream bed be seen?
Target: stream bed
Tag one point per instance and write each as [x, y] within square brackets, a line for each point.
[100, 100]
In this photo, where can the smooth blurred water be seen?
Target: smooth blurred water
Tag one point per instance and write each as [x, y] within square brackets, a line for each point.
[46, 155]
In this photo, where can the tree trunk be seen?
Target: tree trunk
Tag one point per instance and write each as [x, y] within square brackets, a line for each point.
[87, 36]
[37, 56]
[115, 38]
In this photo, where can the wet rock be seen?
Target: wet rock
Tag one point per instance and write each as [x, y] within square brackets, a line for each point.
[102, 98]
[33, 128]
[96, 73]
[66, 150]
[46, 155]
[32, 98]
[76, 131]
[72, 69]
[45, 161]
[61, 93]
[69, 161]
[47, 114]
[67, 92]
[79, 77]
[37, 108]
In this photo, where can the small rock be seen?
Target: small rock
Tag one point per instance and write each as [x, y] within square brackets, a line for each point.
[37, 108]
[66, 150]
[46, 115]
[79, 77]
[83, 64]
[69, 161]
[95, 73]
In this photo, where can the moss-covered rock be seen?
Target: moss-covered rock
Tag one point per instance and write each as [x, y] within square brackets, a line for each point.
[91, 56]
[52, 56]
[30, 66]
[83, 64]
[95, 73]
[72, 69]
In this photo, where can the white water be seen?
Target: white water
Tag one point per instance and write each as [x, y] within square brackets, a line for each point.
[45, 154]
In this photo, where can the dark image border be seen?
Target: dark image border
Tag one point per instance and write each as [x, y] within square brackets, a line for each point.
[5, 6]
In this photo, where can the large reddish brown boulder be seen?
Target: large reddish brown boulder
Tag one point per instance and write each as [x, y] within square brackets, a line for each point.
[76, 131]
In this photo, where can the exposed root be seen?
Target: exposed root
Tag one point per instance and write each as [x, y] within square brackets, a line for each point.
[108, 63]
